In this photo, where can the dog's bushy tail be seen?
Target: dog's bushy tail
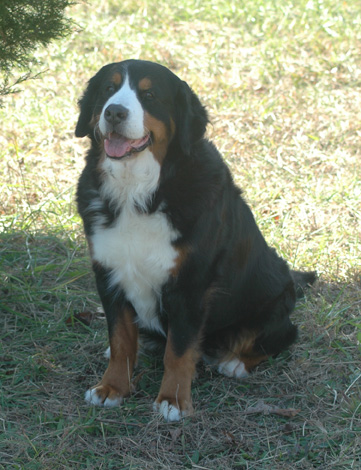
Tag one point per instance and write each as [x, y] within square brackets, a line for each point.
[303, 280]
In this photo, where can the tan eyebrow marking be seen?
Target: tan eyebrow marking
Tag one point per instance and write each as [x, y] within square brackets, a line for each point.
[145, 84]
[117, 78]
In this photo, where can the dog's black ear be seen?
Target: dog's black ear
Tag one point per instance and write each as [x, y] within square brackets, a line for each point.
[86, 105]
[88, 101]
[191, 116]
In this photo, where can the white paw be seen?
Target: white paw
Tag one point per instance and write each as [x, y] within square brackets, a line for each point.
[107, 353]
[169, 412]
[92, 397]
[233, 368]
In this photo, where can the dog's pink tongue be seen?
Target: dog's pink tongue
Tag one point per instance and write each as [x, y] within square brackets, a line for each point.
[117, 146]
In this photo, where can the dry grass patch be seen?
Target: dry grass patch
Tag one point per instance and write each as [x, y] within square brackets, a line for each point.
[281, 81]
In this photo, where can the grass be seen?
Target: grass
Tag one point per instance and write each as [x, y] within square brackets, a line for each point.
[281, 81]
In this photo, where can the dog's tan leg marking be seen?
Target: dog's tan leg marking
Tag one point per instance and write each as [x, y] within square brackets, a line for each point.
[174, 400]
[116, 381]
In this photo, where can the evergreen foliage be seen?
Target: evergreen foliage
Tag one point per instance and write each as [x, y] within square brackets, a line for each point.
[25, 25]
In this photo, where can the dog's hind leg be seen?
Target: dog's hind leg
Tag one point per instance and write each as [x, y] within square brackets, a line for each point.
[239, 357]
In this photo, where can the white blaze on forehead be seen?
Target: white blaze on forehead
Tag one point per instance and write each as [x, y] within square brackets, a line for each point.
[133, 125]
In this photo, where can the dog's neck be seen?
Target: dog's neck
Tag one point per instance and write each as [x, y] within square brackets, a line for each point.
[130, 183]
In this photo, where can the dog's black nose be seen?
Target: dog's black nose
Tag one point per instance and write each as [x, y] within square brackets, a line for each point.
[115, 113]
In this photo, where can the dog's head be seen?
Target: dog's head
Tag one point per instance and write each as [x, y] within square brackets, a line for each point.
[133, 105]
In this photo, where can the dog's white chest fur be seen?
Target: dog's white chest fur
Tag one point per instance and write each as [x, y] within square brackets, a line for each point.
[138, 250]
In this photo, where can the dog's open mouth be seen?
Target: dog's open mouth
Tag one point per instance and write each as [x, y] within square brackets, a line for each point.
[118, 146]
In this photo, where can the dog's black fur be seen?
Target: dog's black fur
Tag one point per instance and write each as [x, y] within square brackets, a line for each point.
[229, 295]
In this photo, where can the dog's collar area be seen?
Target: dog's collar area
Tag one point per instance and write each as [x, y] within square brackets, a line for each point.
[117, 146]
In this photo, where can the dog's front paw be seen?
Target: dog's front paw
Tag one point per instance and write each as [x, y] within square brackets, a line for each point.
[104, 395]
[171, 413]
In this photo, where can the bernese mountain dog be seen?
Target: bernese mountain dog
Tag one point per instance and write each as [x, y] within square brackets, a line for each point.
[175, 249]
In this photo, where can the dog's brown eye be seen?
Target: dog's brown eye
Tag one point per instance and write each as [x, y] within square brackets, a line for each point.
[110, 89]
[148, 95]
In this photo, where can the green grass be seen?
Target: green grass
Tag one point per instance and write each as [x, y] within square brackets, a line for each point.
[281, 81]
